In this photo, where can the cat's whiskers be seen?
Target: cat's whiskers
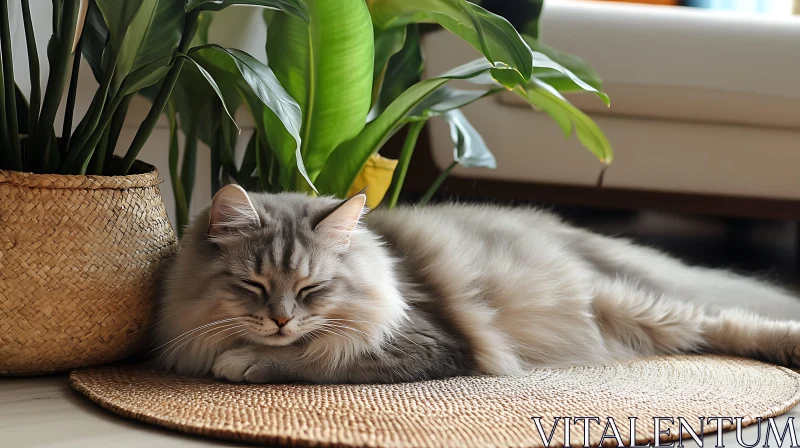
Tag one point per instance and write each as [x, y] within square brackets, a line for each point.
[322, 352]
[232, 334]
[178, 349]
[332, 330]
[187, 333]
[222, 330]
[309, 337]
[405, 337]
[343, 326]
[314, 335]
[156, 322]
[342, 331]
[386, 330]
[348, 327]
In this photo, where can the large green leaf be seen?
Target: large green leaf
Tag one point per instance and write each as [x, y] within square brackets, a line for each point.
[469, 148]
[95, 34]
[560, 81]
[154, 33]
[542, 61]
[387, 44]
[284, 155]
[190, 96]
[489, 33]
[192, 81]
[445, 99]
[213, 84]
[544, 67]
[145, 76]
[203, 25]
[547, 99]
[294, 7]
[178, 192]
[326, 65]
[349, 158]
[23, 108]
[403, 70]
[118, 17]
[263, 83]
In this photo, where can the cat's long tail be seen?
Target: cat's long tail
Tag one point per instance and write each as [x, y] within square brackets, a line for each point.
[635, 319]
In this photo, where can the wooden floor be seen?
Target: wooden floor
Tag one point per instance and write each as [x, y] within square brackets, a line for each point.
[45, 412]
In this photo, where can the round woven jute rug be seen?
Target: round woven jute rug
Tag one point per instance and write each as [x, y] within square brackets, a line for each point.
[456, 412]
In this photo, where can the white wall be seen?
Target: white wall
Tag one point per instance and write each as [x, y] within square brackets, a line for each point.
[702, 102]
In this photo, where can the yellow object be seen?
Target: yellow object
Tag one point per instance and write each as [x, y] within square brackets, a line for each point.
[376, 176]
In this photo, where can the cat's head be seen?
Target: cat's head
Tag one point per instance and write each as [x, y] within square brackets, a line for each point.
[286, 269]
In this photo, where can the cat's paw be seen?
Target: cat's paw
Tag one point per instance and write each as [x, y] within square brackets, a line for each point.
[244, 365]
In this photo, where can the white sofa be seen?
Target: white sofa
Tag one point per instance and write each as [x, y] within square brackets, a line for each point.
[703, 103]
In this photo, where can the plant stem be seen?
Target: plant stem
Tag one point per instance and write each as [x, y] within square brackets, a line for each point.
[5, 140]
[113, 134]
[263, 166]
[249, 162]
[216, 162]
[189, 163]
[178, 193]
[215, 146]
[229, 136]
[57, 7]
[93, 115]
[10, 98]
[98, 156]
[69, 110]
[58, 55]
[399, 176]
[77, 161]
[436, 184]
[160, 101]
[33, 68]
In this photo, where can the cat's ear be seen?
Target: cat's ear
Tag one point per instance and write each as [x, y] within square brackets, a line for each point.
[338, 226]
[231, 210]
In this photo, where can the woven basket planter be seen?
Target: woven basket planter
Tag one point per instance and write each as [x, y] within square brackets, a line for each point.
[78, 263]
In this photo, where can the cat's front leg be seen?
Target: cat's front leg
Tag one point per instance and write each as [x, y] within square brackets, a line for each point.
[252, 364]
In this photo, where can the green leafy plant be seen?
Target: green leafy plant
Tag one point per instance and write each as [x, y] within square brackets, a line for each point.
[344, 78]
[132, 46]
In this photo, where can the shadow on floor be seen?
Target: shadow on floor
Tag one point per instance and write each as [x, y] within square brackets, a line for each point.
[766, 248]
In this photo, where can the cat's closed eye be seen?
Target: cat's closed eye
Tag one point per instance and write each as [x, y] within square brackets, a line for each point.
[258, 285]
[310, 291]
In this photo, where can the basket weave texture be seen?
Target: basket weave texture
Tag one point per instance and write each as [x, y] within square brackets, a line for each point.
[78, 263]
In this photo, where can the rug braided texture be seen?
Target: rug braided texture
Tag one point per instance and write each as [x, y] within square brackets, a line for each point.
[456, 412]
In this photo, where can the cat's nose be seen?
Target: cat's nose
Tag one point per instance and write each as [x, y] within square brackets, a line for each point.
[281, 321]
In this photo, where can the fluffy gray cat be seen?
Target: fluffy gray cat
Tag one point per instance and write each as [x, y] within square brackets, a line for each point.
[281, 288]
